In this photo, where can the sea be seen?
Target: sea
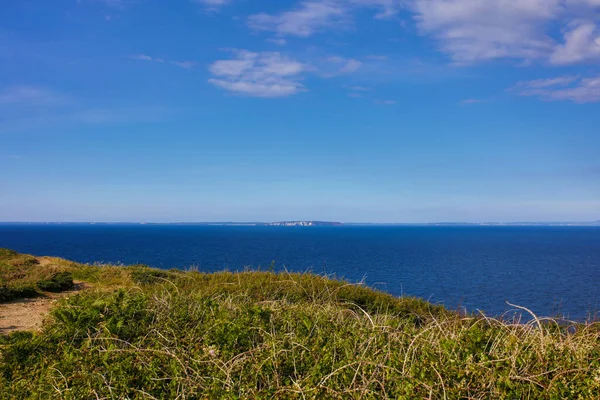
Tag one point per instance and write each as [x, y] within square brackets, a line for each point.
[553, 271]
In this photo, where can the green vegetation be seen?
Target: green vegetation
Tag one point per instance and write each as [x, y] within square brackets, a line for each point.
[22, 276]
[145, 333]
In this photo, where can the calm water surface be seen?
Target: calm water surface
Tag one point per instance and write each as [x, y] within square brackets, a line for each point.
[547, 269]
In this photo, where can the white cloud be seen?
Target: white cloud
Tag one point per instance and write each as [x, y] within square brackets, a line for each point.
[307, 19]
[387, 8]
[213, 5]
[468, 31]
[142, 57]
[472, 101]
[358, 88]
[477, 30]
[545, 83]
[565, 88]
[266, 74]
[184, 64]
[581, 43]
[313, 16]
[474, 30]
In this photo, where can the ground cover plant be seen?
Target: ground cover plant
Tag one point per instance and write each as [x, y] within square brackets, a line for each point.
[144, 333]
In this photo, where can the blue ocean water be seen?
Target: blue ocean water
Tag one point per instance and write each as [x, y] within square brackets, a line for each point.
[551, 270]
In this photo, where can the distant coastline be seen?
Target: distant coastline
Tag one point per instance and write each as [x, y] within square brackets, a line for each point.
[316, 223]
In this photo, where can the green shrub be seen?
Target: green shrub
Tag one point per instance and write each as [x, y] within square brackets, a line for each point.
[144, 275]
[8, 293]
[58, 282]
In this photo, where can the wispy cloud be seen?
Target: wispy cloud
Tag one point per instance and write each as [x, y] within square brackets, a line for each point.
[142, 57]
[213, 5]
[265, 74]
[185, 64]
[181, 64]
[472, 101]
[31, 96]
[358, 88]
[565, 88]
[336, 65]
[350, 66]
[277, 41]
[311, 17]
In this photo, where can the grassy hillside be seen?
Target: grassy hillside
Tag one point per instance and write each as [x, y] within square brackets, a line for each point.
[146, 333]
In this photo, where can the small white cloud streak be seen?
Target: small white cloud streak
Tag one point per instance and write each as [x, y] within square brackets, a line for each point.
[472, 101]
[181, 64]
[358, 88]
[184, 64]
[142, 57]
[213, 5]
[31, 96]
[567, 88]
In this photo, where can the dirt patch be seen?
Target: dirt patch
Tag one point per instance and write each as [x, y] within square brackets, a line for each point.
[28, 314]
[44, 261]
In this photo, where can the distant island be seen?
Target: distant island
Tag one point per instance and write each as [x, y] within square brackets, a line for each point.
[304, 223]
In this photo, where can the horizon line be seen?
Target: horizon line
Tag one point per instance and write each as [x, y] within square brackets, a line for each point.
[289, 221]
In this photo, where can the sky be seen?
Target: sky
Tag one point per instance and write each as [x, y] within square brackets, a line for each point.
[340, 110]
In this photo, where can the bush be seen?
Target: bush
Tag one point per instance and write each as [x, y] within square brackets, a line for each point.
[144, 275]
[58, 282]
[8, 293]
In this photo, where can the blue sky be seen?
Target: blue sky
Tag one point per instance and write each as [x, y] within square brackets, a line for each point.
[349, 110]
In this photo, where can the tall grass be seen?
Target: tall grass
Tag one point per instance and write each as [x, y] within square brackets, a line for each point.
[167, 334]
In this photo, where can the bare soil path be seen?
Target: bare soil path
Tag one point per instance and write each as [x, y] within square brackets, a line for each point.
[28, 314]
